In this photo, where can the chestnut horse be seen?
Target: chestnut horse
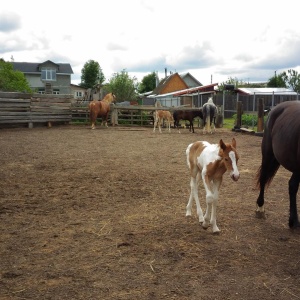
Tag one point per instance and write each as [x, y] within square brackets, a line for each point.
[281, 146]
[210, 162]
[101, 109]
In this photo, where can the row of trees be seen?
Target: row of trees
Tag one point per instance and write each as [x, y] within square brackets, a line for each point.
[128, 88]
[124, 86]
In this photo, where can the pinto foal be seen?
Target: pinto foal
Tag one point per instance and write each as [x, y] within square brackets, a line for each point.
[159, 116]
[210, 161]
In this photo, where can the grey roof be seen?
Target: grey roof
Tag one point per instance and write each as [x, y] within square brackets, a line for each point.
[266, 91]
[188, 74]
[28, 67]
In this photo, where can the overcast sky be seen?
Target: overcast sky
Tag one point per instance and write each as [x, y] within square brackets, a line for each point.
[213, 40]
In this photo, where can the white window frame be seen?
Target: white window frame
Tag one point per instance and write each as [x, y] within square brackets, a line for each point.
[78, 94]
[48, 74]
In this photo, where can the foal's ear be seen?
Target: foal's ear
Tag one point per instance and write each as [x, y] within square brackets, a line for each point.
[234, 143]
[222, 144]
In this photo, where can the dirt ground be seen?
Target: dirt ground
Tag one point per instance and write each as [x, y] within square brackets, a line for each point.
[100, 214]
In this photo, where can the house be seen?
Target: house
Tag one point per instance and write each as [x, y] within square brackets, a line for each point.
[169, 84]
[47, 77]
[184, 89]
[77, 91]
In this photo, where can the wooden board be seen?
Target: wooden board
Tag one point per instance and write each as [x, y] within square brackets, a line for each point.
[246, 130]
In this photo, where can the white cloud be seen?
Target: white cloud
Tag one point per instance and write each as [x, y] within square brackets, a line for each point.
[213, 40]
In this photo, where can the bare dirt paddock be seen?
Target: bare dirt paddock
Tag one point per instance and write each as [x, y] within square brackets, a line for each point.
[100, 214]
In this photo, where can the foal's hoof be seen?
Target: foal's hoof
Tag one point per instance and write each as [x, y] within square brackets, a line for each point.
[204, 226]
[260, 214]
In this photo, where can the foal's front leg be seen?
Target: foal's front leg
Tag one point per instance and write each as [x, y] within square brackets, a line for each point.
[194, 194]
[212, 195]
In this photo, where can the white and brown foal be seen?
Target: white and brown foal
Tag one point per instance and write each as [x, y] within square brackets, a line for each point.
[161, 115]
[210, 161]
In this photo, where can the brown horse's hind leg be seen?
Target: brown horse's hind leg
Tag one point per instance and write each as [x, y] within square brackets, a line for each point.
[265, 174]
[293, 189]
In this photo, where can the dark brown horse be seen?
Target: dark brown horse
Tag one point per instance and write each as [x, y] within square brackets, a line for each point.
[189, 115]
[101, 109]
[281, 146]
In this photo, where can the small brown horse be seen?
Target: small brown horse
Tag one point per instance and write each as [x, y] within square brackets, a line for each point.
[189, 115]
[281, 146]
[161, 115]
[101, 109]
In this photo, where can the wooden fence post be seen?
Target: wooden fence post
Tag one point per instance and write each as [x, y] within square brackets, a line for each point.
[219, 117]
[238, 115]
[260, 115]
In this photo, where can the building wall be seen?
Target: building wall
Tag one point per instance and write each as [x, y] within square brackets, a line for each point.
[62, 83]
[176, 84]
[77, 92]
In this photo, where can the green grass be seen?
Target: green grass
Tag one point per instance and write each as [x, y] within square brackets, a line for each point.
[228, 123]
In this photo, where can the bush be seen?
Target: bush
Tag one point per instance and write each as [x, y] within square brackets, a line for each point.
[248, 120]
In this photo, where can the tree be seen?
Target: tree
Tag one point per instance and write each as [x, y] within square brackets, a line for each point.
[123, 86]
[148, 83]
[231, 81]
[91, 75]
[277, 81]
[292, 79]
[11, 80]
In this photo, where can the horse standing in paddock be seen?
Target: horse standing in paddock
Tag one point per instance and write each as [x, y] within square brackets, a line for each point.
[210, 161]
[281, 146]
[159, 116]
[189, 115]
[210, 112]
[101, 109]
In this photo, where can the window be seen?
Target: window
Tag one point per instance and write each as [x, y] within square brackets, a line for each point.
[56, 92]
[78, 94]
[48, 74]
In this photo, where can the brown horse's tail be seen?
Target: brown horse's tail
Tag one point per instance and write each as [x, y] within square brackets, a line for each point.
[93, 113]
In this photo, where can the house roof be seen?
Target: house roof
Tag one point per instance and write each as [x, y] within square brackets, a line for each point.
[196, 90]
[29, 67]
[265, 91]
[191, 91]
[187, 77]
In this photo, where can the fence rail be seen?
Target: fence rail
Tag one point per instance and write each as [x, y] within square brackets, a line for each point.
[141, 115]
[16, 108]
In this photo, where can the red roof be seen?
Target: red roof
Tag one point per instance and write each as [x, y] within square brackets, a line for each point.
[205, 88]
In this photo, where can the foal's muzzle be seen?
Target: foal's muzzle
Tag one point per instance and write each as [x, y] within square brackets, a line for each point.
[235, 177]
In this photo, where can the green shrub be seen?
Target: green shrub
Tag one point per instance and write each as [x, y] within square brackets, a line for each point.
[248, 120]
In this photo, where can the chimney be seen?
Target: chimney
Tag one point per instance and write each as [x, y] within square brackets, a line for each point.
[166, 71]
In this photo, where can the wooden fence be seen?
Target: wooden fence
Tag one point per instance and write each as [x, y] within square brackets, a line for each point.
[18, 109]
[140, 115]
[126, 115]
